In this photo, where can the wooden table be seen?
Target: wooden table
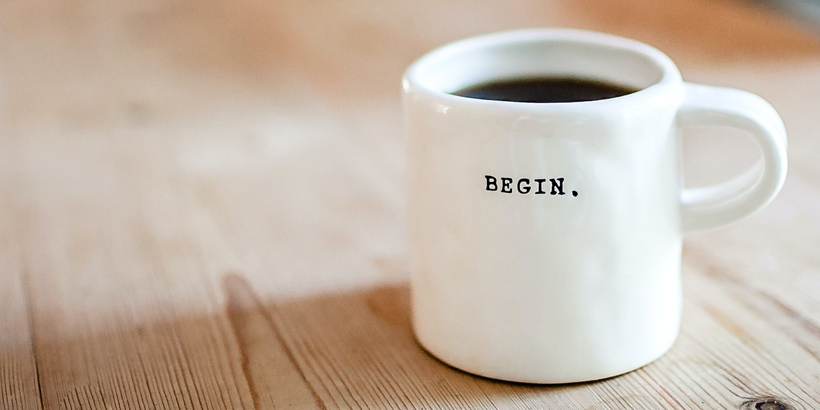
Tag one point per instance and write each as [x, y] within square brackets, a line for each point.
[202, 206]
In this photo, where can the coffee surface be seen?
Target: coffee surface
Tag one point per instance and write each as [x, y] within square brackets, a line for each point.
[545, 90]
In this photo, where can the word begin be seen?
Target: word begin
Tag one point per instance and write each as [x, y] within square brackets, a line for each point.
[525, 185]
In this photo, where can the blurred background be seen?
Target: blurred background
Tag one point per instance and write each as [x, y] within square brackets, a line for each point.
[276, 126]
[270, 133]
[283, 115]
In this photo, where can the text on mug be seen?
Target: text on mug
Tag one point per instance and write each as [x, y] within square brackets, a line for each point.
[525, 185]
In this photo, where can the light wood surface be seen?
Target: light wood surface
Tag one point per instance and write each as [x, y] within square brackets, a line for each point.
[202, 206]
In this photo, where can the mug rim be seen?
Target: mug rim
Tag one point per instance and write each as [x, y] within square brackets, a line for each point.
[670, 75]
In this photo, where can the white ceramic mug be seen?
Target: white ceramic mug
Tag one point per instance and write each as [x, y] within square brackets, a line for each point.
[578, 279]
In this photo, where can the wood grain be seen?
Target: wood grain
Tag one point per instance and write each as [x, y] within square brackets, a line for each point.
[19, 385]
[202, 206]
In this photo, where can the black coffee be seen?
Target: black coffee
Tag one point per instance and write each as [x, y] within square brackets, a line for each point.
[545, 90]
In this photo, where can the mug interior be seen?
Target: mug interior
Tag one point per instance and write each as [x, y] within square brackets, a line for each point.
[544, 53]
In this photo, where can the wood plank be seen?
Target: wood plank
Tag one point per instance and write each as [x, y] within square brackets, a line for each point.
[267, 365]
[19, 384]
[111, 326]
[153, 333]
[125, 302]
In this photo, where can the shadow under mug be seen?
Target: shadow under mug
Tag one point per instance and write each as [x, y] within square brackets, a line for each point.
[545, 238]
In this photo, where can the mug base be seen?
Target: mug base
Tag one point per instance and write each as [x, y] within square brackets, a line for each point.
[543, 379]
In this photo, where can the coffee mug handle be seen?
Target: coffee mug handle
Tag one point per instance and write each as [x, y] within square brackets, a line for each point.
[711, 206]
